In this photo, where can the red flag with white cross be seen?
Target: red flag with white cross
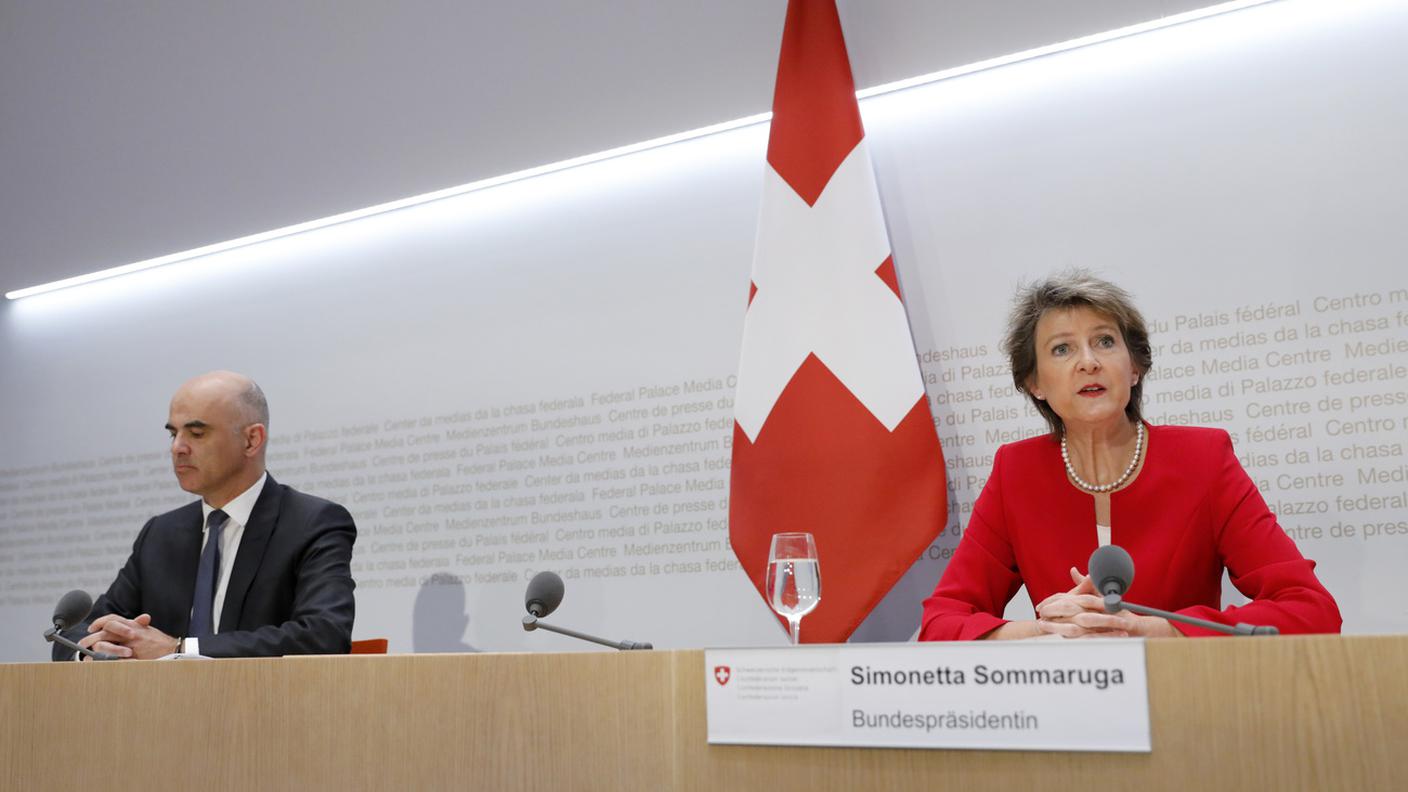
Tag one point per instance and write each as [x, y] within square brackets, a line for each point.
[833, 433]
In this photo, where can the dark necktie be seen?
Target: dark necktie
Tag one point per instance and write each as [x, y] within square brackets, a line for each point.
[208, 577]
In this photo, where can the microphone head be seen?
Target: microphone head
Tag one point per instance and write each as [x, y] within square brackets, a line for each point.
[73, 607]
[544, 594]
[1111, 570]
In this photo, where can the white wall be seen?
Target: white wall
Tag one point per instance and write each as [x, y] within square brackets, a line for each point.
[137, 129]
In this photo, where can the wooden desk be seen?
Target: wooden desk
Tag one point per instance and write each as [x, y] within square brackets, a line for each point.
[1275, 713]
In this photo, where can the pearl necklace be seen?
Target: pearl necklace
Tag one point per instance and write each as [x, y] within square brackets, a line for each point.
[1129, 471]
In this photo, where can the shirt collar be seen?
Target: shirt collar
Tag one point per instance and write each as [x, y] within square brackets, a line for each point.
[241, 507]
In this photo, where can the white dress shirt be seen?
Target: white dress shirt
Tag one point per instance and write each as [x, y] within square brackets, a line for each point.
[239, 511]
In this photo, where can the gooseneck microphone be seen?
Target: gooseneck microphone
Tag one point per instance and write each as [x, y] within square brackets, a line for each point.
[543, 596]
[73, 607]
[1112, 572]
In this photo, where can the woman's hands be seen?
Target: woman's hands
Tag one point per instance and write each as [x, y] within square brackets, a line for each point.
[1080, 613]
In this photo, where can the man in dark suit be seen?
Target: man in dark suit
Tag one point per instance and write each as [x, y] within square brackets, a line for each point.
[254, 569]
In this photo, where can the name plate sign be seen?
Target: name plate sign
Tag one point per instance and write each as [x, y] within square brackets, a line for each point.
[1037, 696]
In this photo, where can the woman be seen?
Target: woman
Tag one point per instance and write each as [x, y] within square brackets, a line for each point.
[1175, 497]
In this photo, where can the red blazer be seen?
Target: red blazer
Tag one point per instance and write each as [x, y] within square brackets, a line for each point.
[1192, 512]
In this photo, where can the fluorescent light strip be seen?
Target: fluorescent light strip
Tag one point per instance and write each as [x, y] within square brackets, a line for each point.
[1064, 46]
[622, 151]
[391, 206]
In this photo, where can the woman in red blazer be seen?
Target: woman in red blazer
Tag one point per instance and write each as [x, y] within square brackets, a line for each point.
[1175, 497]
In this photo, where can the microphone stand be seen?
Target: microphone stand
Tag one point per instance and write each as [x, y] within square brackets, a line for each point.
[52, 635]
[531, 623]
[1114, 603]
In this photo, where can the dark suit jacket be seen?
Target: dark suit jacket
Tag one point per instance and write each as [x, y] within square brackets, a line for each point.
[290, 590]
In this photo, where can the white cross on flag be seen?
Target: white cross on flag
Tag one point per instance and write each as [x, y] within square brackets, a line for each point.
[833, 433]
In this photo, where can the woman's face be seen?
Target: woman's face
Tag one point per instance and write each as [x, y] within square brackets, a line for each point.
[1083, 368]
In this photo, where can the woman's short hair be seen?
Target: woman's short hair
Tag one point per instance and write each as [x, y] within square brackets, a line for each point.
[1074, 288]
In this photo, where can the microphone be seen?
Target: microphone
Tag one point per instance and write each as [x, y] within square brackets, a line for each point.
[543, 596]
[73, 608]
[1112, 572]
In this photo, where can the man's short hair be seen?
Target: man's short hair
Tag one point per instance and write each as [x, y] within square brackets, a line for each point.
[254, 408]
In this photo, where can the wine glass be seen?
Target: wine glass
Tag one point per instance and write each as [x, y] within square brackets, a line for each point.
[794, 578]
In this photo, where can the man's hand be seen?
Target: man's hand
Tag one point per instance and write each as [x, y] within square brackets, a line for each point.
[128, 638]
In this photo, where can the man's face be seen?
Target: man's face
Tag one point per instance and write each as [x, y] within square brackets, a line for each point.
[209, 445]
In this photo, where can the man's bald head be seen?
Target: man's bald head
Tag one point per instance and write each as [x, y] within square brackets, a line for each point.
[241, 393]
[219, 429]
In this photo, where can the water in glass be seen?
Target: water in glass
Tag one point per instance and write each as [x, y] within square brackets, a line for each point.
[793, 579]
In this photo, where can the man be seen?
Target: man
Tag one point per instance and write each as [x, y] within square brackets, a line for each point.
[254, 569]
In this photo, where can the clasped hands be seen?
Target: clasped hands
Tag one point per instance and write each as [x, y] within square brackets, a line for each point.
[1080, 613]
[134, 639]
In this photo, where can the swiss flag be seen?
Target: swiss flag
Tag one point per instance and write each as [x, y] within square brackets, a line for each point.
[832, 432]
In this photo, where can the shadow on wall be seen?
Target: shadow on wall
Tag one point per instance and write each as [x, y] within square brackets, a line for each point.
[440, 618]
